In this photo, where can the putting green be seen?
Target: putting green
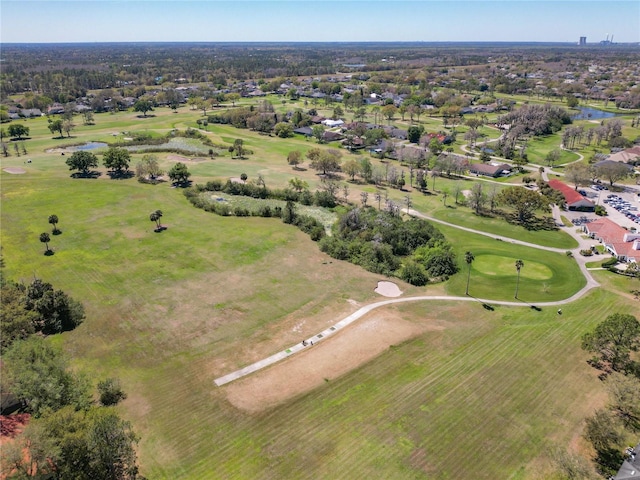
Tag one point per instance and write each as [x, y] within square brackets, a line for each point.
[497, 265]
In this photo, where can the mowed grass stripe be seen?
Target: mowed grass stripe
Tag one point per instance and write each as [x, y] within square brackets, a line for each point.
[440, 433]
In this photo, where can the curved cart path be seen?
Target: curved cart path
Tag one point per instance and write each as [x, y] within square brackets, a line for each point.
[309, 342]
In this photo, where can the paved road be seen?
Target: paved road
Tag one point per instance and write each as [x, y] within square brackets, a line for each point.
[310, 342]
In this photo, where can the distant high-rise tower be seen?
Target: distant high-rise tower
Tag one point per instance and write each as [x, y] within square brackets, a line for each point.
[583, 41]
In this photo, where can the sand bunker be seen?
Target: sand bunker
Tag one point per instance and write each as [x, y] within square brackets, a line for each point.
[352, 347]
[388, 289]
[15, 170]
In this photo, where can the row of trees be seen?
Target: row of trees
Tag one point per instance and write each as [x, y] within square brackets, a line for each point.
[582, 175]
[118, 159]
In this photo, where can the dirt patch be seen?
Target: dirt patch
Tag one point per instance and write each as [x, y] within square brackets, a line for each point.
[12, 425]
[388, 289]
[15, 170]
[178, 158]
[352, 347]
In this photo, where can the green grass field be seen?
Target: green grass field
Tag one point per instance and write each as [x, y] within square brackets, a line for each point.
[480, 394]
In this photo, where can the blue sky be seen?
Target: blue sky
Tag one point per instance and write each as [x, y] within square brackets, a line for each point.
[329, 20]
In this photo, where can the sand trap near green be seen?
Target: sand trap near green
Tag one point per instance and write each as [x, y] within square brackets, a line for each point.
[501, 266]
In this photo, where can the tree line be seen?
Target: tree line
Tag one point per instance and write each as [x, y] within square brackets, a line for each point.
[614, 344]
[69, 435]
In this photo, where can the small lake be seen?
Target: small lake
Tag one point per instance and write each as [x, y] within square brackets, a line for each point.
[90, 146]
[592, 114]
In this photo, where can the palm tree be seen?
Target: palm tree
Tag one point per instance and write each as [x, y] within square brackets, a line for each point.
[44, 238]
[519, 265]
[155, 217]
[53, 220]
[469, 258]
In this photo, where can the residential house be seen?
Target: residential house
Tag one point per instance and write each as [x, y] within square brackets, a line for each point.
[610, 162]
[620, 242]
[332, 136]
[333, 123]
[573, 199]
[490, 170]
[31, 112]
[629, 155]
[55, 109]
[306, 131]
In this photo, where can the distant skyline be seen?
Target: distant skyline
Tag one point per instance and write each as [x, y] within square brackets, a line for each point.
[53, 21]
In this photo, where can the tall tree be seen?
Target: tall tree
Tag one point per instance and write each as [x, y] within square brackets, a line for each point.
[143, 105]
[298, 184]
[53, 220]
[294, 158]
[469, 258]
[18, 130]
[148, 168]
[55, 126]
[68, 126]
[624, 396]
[155, 217]
[82, 161]
[477, 198]
[238, 147]
[37, 374]
[111, 442]
[524, 201]
[117, 160]
[179, 174]
[613, 171]
[44, 238]
[612, 341]
[519, 265]
[389, 111]
[578, 174]
[326, 161]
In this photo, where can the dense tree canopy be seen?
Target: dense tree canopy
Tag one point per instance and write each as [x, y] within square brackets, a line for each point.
[82, 161]
[525, 202]
[613, 341]
[18, 130]
[117, 159]
[36, 373]
[382, 242]
[179, 173]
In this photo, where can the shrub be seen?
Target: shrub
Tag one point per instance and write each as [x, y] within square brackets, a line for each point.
[414, 273]
[110, 392]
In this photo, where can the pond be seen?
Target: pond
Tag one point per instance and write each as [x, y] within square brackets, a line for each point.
[592, 114]
[89, 146]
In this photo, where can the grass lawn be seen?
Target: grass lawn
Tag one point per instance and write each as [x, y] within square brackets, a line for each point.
[479, 394]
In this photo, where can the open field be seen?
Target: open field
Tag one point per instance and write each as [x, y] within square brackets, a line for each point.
[420, 390]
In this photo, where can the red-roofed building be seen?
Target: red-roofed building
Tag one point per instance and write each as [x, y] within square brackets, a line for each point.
[622, 243]
[573, 200]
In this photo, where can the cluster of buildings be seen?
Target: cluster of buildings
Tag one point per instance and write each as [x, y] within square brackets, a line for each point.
[621, 243]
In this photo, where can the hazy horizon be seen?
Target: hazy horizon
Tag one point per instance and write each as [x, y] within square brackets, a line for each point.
[329, 21]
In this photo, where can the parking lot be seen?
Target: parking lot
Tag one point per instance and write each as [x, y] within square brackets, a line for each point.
[623, 208]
